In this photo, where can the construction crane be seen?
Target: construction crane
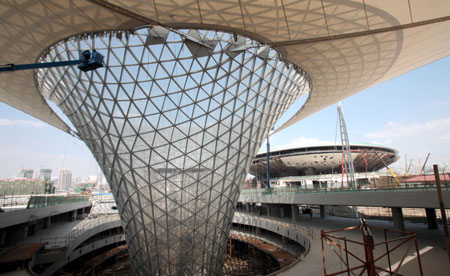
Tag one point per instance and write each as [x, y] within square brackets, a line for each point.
[422, 167]
[389, 170]
[410, 164]
[424, 163]
[409, 167]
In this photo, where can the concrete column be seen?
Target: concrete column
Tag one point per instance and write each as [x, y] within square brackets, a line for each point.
[275, 210]
[281, 211]
[3, 234]
[252, 207]
[294, 212]
[397, 217]
[431, 218]
[74, 215]
[16, 234]
[48, 222]
[269, 210]
[323, 213]
[284, 240]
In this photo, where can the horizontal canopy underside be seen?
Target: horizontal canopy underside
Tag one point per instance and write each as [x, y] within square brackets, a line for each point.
[343, 46]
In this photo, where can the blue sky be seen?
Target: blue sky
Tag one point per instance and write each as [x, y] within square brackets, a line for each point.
[410, 113]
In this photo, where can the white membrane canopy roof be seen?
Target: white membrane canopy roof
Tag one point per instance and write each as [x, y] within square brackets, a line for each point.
[344, 46]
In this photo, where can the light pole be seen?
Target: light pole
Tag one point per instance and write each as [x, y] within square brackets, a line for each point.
[268, 162]
[268, 156]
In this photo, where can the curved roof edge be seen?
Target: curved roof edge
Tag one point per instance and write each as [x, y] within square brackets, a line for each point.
[343, 46]
[290, 147]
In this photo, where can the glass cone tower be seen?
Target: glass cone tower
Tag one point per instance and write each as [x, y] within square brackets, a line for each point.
[174, 120]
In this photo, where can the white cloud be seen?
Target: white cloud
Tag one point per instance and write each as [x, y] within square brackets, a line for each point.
[444, 137]
[396, 130]
[306, 142]
[298, 142]
[8, 122]
[439, 103]
[416, 140]
[5, 122]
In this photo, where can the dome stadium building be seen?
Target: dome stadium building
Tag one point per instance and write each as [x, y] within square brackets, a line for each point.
[319, 164]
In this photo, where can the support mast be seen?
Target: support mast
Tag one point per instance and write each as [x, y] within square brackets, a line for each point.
[348, 162]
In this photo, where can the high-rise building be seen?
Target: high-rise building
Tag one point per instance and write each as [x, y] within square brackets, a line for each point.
[77, 180]
[27, 186]
[102, 183]
[93, 179]
[25, 173]
[64, 179]
[45, 174]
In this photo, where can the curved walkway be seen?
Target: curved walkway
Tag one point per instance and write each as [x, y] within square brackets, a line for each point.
[434, 260]
[419, 197]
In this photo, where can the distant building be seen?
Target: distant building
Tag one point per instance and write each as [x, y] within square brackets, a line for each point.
[25, 187]
[83, 188]
[77, 180]
[25, 173]
[93, 179]
[65, 179]
[102, 183]
[321, 158]
[45, 174]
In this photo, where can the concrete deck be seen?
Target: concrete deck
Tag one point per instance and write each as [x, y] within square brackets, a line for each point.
[20, 216]
[434, 261]
[431, 242]
[404, 198]
[55, 234]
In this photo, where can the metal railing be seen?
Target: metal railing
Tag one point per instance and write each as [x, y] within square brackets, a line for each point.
[297, 226]
[40, 201]
[55, 241]
[424, 186]
[82, 227]
[91, 223]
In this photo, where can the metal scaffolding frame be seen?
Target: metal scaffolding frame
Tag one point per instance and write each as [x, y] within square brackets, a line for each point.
[353, 263]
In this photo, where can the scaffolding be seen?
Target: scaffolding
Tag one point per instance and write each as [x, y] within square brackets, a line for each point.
[348, 251]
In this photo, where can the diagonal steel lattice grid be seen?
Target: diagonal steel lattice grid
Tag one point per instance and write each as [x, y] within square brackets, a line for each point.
[174, 120]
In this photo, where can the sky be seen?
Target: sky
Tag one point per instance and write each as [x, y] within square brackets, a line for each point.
[410, 113]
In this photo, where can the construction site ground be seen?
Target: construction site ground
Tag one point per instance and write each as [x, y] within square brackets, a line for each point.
[431, 242]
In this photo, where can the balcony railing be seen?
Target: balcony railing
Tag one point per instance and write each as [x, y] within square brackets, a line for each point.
[40, 201]
[425, 186]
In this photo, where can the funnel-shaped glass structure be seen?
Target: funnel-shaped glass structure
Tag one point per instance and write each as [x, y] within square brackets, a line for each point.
[174, 120]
